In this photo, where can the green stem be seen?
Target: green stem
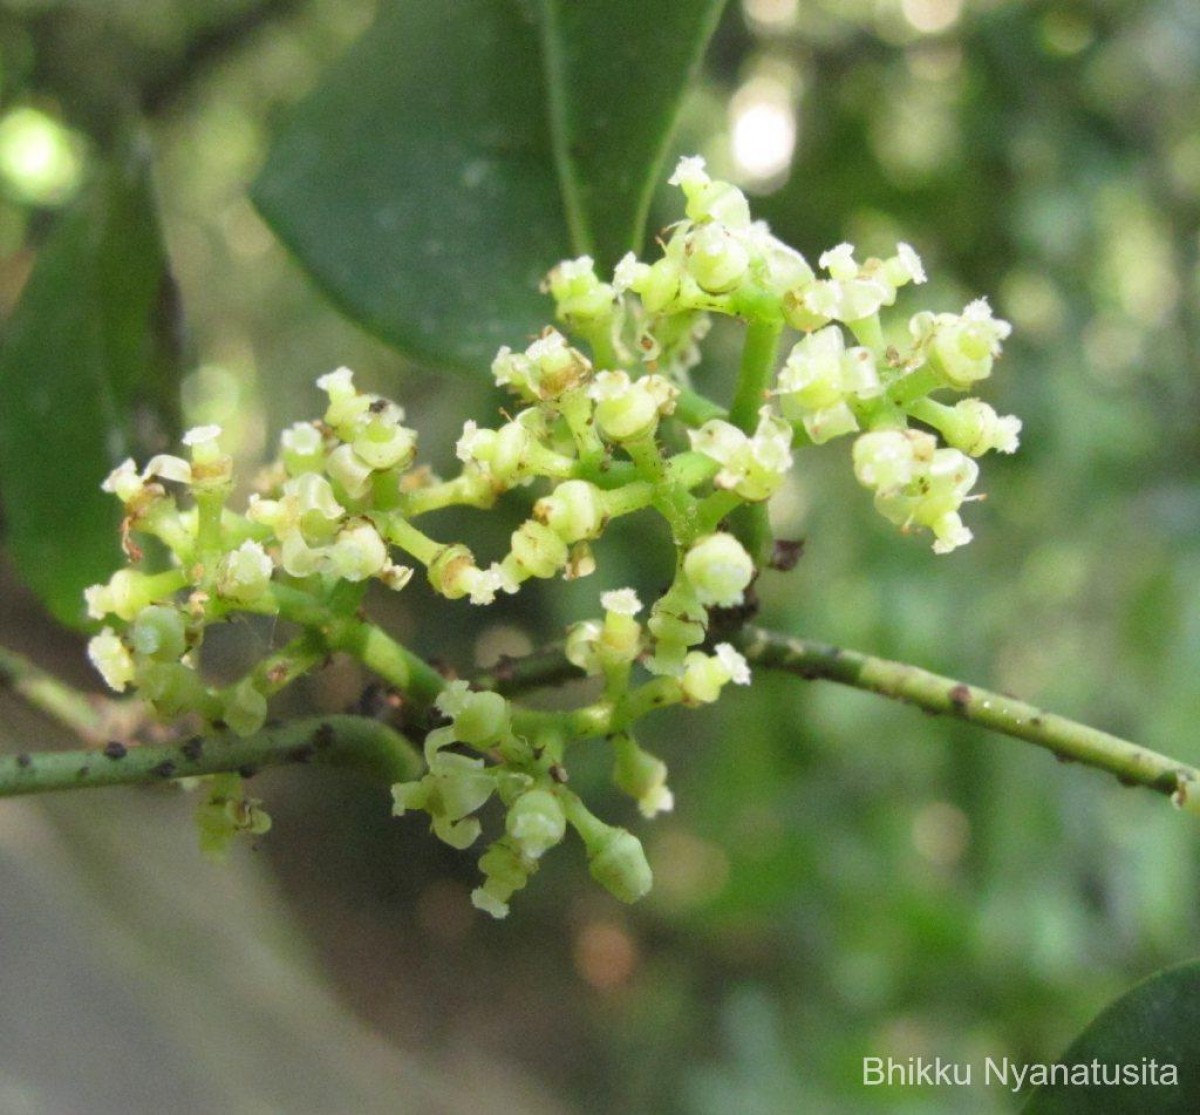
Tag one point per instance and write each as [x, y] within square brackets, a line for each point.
[546, 667]
[392, 661]
[82, 713]
[907, 389]
[714, 507]
[464, 490]
[412, 541]
[348, 741]
[751, 526]
[754, 377]
[372, 646]
[694, 409]
[1067, 739]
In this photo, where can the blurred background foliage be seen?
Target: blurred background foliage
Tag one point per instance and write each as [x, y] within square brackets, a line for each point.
[841, 877]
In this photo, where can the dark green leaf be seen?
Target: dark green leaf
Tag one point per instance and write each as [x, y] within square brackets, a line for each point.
[617, 74]
[1158, 1022]
[420, 184]
[88, 376]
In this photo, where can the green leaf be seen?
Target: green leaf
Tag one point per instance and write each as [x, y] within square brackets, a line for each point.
[1158, 1021]
[88, 376]
[458, 151]
[617, 72]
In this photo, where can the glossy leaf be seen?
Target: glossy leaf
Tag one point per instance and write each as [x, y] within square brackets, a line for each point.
[458, 151]
[617, 72]
[88, 376]
[1158, 1021]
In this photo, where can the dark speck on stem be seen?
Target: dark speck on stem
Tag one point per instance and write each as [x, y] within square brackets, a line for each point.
[324, 736]
[165, 769]
[192, 749]
[24, 760]
[115, 749]
[960, 697]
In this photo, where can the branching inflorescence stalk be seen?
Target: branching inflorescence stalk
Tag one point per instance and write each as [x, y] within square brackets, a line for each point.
[620, 432]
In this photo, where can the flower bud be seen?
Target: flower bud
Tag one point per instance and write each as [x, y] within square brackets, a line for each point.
[128, 591]
[708, 200]
[642, 776]
[158, 632]
[536, 821]
[449, 572]
[889, 459]
[719, 569]
[705, 676]
[716, 259]
[618, 863]
[658, 285]
[574, 511]
[510, 452]
[537, 550]
[975, 428]
[579, 296]
[627, 409]
[481, 719]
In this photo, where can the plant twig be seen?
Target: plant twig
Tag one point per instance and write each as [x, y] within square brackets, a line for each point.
[84, 714]
[1068, 740]
[358, 742]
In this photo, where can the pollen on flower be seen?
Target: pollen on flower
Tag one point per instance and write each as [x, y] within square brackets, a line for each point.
[689, 171]
[911, 262]
[735, 664]
[124, 481]
[201, 435]
[621, 601]
[112, 659]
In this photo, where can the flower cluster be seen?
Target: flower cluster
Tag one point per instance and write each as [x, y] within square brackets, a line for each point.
[598, 423]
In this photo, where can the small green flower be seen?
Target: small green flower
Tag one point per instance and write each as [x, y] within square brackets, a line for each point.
[617, 861]
[642, 776]
[627, 408]
[719, 569]
[111, 657]
[158, 632]
[244, 574]
[752, 466]
[536, 822]
[961, 347]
